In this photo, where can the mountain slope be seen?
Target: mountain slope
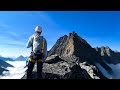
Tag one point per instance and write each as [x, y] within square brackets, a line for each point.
[3, 66]
[108, 55]
[6, 59]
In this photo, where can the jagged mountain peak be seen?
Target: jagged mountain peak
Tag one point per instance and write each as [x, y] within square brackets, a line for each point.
[72, 33]
[105, 47]
[21, 58]
[73, 45]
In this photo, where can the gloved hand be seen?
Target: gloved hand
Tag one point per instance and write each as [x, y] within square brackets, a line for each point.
[31, 52]
[43, 60]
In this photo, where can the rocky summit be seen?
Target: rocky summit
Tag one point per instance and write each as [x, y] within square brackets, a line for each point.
[74, 45]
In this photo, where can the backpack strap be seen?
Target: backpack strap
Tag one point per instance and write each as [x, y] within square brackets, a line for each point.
[32, 43]
[42, 45]
[33, 39]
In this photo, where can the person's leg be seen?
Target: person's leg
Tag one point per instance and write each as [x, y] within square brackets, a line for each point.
[29, 70]
[39, 69]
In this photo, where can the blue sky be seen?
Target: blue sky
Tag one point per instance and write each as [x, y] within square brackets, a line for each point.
[98, 28]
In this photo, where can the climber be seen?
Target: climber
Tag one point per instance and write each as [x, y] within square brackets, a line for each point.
[38, 53]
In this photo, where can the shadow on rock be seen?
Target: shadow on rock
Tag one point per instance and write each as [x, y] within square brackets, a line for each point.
[54, 60]
[77, 73]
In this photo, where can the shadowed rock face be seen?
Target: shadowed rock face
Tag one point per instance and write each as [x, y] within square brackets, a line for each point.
[3, 66]
[59, 47]
[108, 55]
[2, 69]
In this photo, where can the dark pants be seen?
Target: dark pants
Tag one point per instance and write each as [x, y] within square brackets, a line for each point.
[39, 68]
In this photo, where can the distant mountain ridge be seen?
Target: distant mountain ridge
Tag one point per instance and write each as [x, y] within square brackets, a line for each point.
[108, 55]
[6, 58]
[21, 58]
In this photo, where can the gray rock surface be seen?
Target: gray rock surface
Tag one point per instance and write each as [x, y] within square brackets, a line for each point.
[108, 55]
[64, 69]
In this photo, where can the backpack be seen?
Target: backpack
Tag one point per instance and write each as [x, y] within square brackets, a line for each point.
[38, 40]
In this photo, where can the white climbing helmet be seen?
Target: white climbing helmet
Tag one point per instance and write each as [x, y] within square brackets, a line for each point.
[38, 29]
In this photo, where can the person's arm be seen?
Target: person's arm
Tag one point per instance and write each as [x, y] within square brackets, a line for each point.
[30, 42]
[45, 49]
